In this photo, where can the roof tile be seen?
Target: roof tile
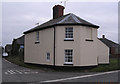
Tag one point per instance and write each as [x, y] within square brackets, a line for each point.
[63, 20]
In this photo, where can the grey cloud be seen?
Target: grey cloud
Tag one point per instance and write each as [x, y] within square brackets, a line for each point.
[22, 16]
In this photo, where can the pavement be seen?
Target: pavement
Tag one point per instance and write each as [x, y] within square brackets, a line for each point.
[15, 73]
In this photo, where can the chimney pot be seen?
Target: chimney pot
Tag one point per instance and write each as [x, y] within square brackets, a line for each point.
[58, 11]
[103, 36]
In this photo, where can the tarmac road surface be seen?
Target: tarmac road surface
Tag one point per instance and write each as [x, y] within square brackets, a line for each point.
[15, 73]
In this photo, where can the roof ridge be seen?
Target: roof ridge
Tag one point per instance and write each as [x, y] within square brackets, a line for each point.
[75, 18]
[109, 41]
[67, 19]
[55, 19]
[64, 19]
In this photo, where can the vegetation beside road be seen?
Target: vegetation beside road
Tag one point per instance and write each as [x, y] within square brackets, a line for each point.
[19, 61]
[114, 65]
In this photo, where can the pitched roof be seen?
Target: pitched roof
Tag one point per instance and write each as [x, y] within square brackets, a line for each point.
[69, 19]
[109, 43]
[19, 40]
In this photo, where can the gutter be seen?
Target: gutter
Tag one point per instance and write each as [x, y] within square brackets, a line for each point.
[50, 26]
[54, 48]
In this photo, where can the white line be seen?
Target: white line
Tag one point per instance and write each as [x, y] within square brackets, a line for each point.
[18, 71]
[25, 72]
[6, 73]
[10, 72]
[34, 72]
[79, 77]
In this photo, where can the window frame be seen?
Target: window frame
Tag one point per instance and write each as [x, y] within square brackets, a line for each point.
[68, 59]
[37, 37]
[47, 56]
[69, 33]
[90, 39]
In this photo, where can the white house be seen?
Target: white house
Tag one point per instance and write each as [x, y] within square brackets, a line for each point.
[66, 40]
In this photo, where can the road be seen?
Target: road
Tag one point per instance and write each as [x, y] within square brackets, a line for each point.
[15, 73]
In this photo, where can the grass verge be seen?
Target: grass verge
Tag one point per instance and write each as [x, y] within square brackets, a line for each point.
[113, 65]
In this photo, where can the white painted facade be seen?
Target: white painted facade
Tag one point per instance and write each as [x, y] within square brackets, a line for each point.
[85, 53]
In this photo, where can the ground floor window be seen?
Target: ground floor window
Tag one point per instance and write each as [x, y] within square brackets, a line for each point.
[48, 56]
[68, 56]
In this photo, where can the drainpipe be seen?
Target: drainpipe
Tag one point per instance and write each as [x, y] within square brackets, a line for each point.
[54, 48]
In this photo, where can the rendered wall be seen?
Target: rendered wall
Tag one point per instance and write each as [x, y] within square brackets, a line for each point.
[103, 53]
[84, 52]
[36, 53]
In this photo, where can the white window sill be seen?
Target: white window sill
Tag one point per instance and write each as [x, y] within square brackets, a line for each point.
[37, 42]
[47, 60]
[68, 63]
[68, 39]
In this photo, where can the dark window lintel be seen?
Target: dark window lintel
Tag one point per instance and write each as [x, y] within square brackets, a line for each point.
[36, 42]
[88, 40]
[68, 39]
[67, 64]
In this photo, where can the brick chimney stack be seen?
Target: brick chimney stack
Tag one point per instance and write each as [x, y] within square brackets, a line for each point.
[58, 11]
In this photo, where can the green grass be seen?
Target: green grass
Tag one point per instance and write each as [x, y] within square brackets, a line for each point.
[16, 60]
[113, 65]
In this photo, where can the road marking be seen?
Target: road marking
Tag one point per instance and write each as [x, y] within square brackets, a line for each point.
[35, 72]
[10, 72]
[78, 77]
[26, 72]
[18, 71]
[30, 72]
[6, 73]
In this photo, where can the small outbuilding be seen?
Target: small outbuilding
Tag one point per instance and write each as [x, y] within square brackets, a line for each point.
[16, 44]
[113, 47]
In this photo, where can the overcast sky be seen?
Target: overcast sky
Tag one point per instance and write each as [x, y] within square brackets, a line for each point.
[17, 17]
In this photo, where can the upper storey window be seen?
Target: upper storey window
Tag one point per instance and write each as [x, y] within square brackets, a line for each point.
[69, 33]
[89, 34]
[37, 37]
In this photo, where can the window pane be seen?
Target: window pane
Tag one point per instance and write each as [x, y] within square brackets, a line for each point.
[69, 32]
[48, 56]
[37, 36]
[68, 55]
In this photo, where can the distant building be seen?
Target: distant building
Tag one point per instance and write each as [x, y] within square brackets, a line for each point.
[1, 50]
[16, 44]
[66, 40]
[8, 49]
[113, 47]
